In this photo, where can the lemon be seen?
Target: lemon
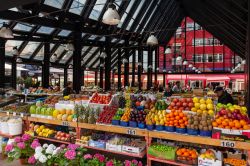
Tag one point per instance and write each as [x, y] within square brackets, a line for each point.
[199, 111]
[197, 105]
[202, 101]
[211, 112]
[50, 132]
[40, 134]
[38, 130]
[42, 127]
[193, 109]
[195, 100]
[203, 106]
[210, 106]
[209, 101]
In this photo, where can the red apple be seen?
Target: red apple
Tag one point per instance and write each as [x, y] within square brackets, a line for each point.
[189, 100]
[172, 104]
[170, 107]
[184, 104]
[59, 138]
[191, 104]
[178, 104]
[175, 100]
[67, 135]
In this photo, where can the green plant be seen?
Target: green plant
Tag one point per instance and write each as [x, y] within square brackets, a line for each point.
[28, 82]
[20, 80]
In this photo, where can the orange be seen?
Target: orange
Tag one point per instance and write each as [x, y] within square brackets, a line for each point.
[177, 118]
[218, 121]
[171, 122]
[227, 127]
[194, 156]
[175, 121]
[175, 113]
[235, 121]
[246, 127]
[171, 115]
[184, 118]
[220, 126]
[179, 153]
[181, 121]
[231, 124]
[224, 123]
[185, 154]
[237, 125]
[182, 126]
[215, 124]
[234, 128]
[167, 116]
[243, 122]
[181, 114]
[172, 119]
[186, 123]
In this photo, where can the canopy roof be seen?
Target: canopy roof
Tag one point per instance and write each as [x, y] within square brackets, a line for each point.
[54, 21]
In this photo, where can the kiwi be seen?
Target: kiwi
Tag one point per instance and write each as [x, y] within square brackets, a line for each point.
[190, 121]
[205, 128]
[192, 126]
[196, 127]
[196, 122]
[204, 123]
[210, 127]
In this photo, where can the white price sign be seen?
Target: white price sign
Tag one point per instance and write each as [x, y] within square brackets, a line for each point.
[65, 123]
[14, 113]
[8, 113]
[131, 132]
[228, 144]
[21, 115]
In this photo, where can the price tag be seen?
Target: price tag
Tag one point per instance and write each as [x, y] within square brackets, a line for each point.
[65, 123]
[228, 144]
[131, 132]
[14, 113]
[21, 115]
[8, 113]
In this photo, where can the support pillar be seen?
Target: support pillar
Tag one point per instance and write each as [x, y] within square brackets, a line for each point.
[126, 65]
[108, 65]
[133, 68]
[13, 72]
[164, 67]
[45, 66]
[156, 64]
[2, 63]
[83, 76]
[140, 65]
[77, 69]
[65, 74]
[247, 66]
[101, 73]
[149, 71]
[119, 69]
[96, 78]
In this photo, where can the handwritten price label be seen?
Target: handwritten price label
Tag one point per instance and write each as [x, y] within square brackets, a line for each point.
[8, 113]
[131, 132]
[14, 113]
[65, 123]
[228, 144]
[21, 115]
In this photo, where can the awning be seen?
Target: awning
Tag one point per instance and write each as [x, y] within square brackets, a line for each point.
[217, 78]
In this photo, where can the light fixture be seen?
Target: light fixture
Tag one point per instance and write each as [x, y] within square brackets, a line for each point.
[157, 69]
[139, 63]
[194, 68]
[15, 51]
[124, 60]
[179, 58]
[168, 50]
[70, 66]
[190, 65]
[243, 62]
[233, 71]
[103, 55]
[111, 16]
[115, 68]
[238, 65]
[102, 65]
[87, 68]
[164, 70]
[169, 72]
[199, 72]
[70, 47]
[185, 62]
[152, 40]
[6, 32]
[19, 60]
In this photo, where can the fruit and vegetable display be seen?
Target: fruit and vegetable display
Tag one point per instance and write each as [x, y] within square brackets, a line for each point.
[156, 117]
[87, 114]
[52, 100]
[137, 116]
[126, 116]
[63, 136]
[101, 98]
[231, 117]
[18, 108]
[181, 104]
[137, 101]
[235, 162]
[162, 151]
[202, 105]
[187, 156]
[176, 118]
[122, 102]
[208, 154]
[64, 115]
[118, 114]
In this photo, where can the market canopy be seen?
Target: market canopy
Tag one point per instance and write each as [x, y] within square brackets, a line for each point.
[54, 21]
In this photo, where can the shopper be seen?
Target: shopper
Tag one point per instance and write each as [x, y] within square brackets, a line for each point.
[223, 96]
[68, 89]
[177, 87]
[168, 91]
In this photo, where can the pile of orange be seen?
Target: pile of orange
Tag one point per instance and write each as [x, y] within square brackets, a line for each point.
[176, 118]
[225, 123]
[187, 153]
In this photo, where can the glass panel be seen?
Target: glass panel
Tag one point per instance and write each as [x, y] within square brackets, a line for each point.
[3, 21]
[51, 46]
[102, 39]
[97, 9]
[66, 57]
[46, 30]
[29, 49]
[54, 3]
[14, 9]
[135, 14]
[92, 37]
[60, 50]
[84, 49]
[9, 46]
[126, 12]
[77, 6]
[40, 54]
[23, 27]
[64, 33]
[92, 60]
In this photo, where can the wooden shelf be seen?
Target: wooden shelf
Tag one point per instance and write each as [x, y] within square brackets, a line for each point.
[114, 129]
[7, 135]
[51, 121]
[141, 155]
[151, 158]
[195, 139]
[52, 140]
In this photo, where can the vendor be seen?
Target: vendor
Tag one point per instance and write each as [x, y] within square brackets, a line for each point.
[223, 96]
[68, 89]
[168, 91]
[177, 87]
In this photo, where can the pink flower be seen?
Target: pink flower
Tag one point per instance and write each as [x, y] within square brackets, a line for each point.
[127, 163]
[26, 137]
[73, 146]
[62, 146]
[140, 164]
[87, 156]
[31, 160]
[70, 154]
[18, 139]
[135, 162]
[9, 147]
[35, 144]
[21, 145]
[110, 163]
[100, 157]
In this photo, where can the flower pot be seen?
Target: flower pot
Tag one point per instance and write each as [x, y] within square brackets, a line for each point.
[23, 161]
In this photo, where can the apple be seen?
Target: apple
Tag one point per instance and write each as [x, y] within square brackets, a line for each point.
[191, 104]
[175, 100]
[184, 104]
[62, 134]
[62, 138]
[178, 104]
[172, 104]
[189, 100]
[59, 138]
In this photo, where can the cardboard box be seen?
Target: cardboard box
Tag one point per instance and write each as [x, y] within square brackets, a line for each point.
[232, 135]
[135, 149]
[210, 162]
[112, 147]
[97, 144]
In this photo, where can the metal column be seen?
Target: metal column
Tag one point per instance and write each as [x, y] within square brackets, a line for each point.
[101, 73]
[65, 74]
[45, 66]
[156, 64]
[164, 66]
[77, 68]
[126, 65]
[140, 53]
[248, 61]
[149, 72]
[13, 72]
[133, 68]
[108, 65]
[2, 63]
[96, 78]
[119, 69]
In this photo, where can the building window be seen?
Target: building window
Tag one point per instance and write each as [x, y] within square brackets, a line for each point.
[218, 57]
[190, 26]
[178, 32]
[198, 58]
[177, 47]
[197, 42]
[208, 42]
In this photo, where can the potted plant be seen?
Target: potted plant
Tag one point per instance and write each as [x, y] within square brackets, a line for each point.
[20, 149]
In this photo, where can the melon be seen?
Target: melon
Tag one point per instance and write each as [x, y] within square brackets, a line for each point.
[38, 110]
[32, 109]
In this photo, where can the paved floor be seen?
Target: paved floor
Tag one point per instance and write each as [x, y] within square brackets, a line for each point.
[4, 162]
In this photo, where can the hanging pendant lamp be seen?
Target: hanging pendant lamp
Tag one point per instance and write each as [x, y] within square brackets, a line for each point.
[111, 16]
[190, 65]
[185, 62]
[243, 62]
[152, 40]
[6, 32]
[168, 50]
